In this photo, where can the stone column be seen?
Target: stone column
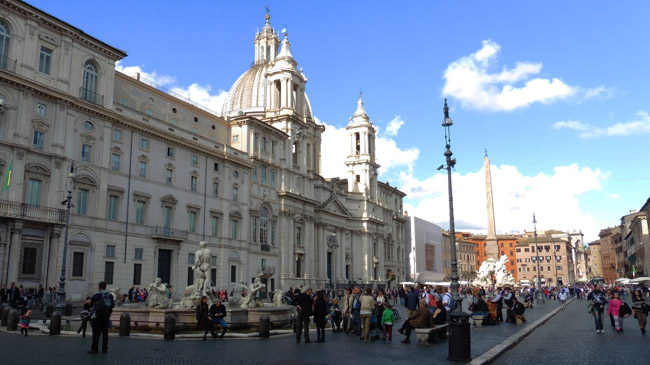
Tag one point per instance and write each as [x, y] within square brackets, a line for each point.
[51, 262]
[286, 243]
[14, 251]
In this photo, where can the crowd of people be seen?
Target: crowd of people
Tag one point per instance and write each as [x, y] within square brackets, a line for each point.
[24, 299]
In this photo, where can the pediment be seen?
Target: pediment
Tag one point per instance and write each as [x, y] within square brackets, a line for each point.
[333, 205]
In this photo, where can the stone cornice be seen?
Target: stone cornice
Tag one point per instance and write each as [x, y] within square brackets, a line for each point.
[61, 27]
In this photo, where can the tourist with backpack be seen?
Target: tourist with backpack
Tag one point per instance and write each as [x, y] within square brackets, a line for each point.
[102, 306]
[448, 302]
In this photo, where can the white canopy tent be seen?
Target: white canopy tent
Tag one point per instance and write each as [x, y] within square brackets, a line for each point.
[640, 279]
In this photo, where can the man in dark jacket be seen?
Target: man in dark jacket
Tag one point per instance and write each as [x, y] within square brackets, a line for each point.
[13, 296]
[304, 303]
[218, 313]
[100, 317]
[508, 297]
[411, 301]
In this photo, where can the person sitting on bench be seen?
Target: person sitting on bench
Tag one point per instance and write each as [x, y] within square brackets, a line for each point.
[518, 309]
[480, 307]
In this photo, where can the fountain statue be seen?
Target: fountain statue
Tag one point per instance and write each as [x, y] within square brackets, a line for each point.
[492, 267]
[278, 297]
[201, 285]
[251, 300]
[157, 297]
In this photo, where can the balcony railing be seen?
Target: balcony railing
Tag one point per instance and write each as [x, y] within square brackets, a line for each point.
[91, 96]
[270, 270]
[265, 248]
[169, 233]
[8, 64]
[34, 212]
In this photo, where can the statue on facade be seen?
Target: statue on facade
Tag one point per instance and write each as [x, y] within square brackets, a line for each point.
[157, 297]
[278, 297]
[251, 300]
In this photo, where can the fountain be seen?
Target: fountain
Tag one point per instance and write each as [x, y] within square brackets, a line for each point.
[244, 308]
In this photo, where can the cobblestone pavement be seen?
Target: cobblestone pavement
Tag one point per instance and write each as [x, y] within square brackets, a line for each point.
[43, 349]
[570, 338]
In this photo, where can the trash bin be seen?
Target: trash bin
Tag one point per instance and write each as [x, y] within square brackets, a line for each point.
[460, 348]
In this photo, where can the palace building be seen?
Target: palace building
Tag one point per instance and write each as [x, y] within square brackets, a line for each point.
[152, 174]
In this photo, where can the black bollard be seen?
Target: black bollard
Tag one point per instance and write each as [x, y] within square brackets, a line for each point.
[12, 320]
[265, 326]
[49, 309]
[169, 331]
[5, 315]
[125, 324]
[55, 324]
[68, 309]
[459, 337]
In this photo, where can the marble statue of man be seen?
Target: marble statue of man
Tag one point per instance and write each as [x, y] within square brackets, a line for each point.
[202, 268]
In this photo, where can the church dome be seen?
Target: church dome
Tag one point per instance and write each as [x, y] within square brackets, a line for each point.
[273, 62]
[248, 93]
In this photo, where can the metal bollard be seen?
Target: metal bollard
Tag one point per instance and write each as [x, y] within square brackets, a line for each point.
[459, 337]
[49, 309]
[169, 330]
[265, 326]
[125, 324]
[12, 320]
[5, 315]
[68, 309]
[55, 324]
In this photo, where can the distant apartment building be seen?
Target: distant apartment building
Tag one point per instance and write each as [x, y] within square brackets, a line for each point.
[424, 258]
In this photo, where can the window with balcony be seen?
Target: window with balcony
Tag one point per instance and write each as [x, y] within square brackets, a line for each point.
[264, 226]
[234, 193]
[33, 192]
[263, 175]
[45, 60]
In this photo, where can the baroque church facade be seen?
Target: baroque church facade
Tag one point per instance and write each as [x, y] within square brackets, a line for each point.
[152, 174]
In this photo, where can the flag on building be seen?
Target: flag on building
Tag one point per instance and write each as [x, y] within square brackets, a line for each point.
[5, 186]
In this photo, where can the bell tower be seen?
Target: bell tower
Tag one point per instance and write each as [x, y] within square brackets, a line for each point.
[362, 175]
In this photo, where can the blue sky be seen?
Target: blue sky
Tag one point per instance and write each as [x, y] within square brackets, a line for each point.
[556, 91]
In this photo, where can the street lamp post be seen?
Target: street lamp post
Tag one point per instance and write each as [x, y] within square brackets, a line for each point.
[451, 162]
[540, 294]
[60, 301]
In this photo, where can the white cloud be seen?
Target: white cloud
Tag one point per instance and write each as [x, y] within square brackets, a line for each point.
[640, 125]
[613, 196]
[394, 125]
[600, 92]
[469, 79]
[335, 149]
[194, 94]
[553, 198]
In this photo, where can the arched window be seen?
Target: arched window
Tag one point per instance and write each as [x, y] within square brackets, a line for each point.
[5, 35]
[264, 227]
[89, 89]
[264, 144]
